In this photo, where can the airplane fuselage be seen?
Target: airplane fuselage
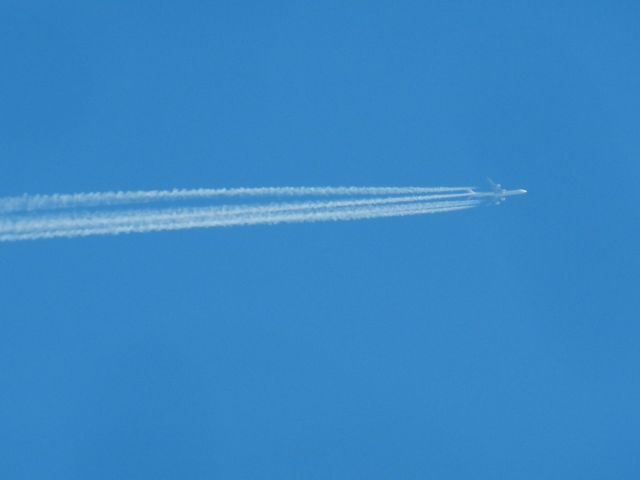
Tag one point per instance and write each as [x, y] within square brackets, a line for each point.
[500, 194]
[513, 193]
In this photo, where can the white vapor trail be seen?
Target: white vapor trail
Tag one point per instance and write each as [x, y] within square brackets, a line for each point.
[180, 221]
[61, 201]
[80, 215]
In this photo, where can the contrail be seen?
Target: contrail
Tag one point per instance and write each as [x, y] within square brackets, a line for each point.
[178, 220]
[61, 201]
[184, 215]
[101, 217]
[33, 217]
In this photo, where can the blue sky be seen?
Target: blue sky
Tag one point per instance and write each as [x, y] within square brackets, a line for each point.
[494, 343]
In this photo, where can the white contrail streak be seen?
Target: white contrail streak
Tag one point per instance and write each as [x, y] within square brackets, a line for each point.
[61, 201]
[181, 220]
[184, 215]
[110, 217]
[33, 217]
[106, 219]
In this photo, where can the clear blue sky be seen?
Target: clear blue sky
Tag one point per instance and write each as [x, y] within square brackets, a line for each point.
[494, 343]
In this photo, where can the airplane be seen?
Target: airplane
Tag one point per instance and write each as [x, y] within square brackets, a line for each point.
[500, 194]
